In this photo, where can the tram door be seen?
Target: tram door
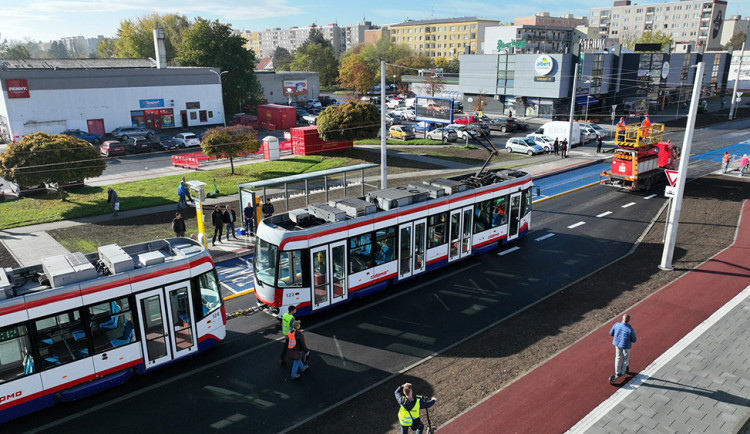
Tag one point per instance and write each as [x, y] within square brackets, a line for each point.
[412, 244]
[514, 219]
[460, 233]
[329, 266]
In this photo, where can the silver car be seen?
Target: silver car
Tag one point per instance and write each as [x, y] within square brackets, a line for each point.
[124, 133]
[545, 142]
[524, 145]
[450, 135]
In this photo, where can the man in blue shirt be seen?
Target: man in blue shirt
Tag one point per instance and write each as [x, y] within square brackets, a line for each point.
[624, 336]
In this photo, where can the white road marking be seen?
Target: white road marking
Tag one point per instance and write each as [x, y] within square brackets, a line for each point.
[338, 347]
[628, 204]
[649, 197]
[508, 251]
[576, 225]
[604, 214]
[442, 302]
[228, 288]
[544, 237]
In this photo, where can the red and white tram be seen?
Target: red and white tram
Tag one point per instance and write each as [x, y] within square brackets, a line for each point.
[78, 324]
[327, 254]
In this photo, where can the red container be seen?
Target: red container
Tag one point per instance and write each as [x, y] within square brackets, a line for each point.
[306, 141]
[280, 116]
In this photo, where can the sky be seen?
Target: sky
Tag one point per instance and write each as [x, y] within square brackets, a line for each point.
[47, 20]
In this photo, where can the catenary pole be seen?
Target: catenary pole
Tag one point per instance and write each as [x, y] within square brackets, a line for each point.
[674, 212]
[572, 107]
[733, 107]
[383, 132]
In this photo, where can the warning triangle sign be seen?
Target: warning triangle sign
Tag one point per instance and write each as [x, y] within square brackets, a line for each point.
[672, 176]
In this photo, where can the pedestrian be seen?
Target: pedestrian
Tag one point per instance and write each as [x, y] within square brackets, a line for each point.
[743, 164]
[598, 144]
[249, 214]
[298, 350]
[267, 209]
[181, 195]
[113, 201]
[510, 113]
[217, 220]
[646, 127]
[556, 146]
[564, 148]
[620, 132]
[187, 190]
[723, 102]
[624, 336]
[287, 321]
[178, 225]
[409, 407]
[725, 162]
[229, 218]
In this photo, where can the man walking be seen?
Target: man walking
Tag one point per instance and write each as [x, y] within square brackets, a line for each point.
[556, 146]
[564, 148]
[287, 320]
[598, 144]
[409, 406]
[624, 336]
[229, 218]
[743, 165]
[178, 226]
[217, 220]
[725, 162]
[298, 350]
[249, 214]
[113, 201]
[181, 195]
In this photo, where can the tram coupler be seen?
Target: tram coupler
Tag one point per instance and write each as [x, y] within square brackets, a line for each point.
[249, 311]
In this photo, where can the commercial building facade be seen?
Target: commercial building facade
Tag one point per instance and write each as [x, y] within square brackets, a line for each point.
[437, 38]
[544, 19]
[285, 87]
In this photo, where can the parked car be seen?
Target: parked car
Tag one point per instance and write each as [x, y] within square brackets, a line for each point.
[137, 145]
[89, 137]
[124, 133]
[311, 119]
[458, 107]
[314, 103]
[462, 131]
[502, 124]
[406, 114]
[482, 127]
[401, 132]
[468, 119]
[592, 132]
[301, 113]
[520, 125]
[393, 103]
[599, 130]
[545, 142]
[524, 145]
[112, 148]
[395, 116]
[164, 143]
[443, 133]
[326, 100]
[23, 190]
[187, 140]
[423, 127]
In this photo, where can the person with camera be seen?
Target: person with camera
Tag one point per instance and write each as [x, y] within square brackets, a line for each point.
[410, 405]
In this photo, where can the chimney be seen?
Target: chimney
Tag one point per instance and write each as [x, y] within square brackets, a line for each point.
[161, 51]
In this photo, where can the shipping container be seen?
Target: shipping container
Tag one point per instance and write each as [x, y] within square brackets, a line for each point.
[307, 141]
[279, 117]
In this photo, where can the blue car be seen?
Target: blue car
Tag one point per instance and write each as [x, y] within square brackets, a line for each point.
[89, 137]
[423, 127]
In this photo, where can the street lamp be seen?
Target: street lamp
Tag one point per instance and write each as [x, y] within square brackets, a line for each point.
[586, 119]
[221, 87]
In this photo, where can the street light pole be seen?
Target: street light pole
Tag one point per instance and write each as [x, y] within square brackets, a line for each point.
[733, 108]
[586, 119]
[383, 132]
[221, 88]
[572, 106]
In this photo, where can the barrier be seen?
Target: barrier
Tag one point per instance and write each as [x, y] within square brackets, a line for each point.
[194, 160]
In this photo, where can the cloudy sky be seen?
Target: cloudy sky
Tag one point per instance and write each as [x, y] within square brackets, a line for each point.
[45, 20]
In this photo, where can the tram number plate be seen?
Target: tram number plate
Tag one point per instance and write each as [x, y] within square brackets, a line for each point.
[670, 191]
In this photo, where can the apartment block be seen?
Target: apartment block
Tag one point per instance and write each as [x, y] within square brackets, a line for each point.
[544, 19]
[449, 37]
[265, 42]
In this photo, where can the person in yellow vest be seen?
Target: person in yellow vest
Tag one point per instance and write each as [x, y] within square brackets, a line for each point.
[298, 350]
[410, 405]
[287, 321]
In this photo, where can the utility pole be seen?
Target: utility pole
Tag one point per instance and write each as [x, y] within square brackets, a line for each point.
[572, 106]
[383, 132]
[733, 108]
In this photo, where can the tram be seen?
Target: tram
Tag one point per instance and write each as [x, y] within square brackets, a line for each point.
[329, 253]
[77, 324]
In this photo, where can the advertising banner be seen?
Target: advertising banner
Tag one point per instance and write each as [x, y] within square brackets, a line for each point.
[432, 109]
[17, 88]
[295, 87]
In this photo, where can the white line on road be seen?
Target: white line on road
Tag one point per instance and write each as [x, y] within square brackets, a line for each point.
[228, 288]
[576, 225]
[338, 347]
[544, 237]
[628, 204]
[650, 196]
[604, 214]
[442, 302]
[508, 251]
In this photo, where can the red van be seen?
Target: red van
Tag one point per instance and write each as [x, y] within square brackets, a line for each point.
[111, 148]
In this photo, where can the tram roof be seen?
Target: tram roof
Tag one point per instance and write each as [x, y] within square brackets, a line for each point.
[304, 176]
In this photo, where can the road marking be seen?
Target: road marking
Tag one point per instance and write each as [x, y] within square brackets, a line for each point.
[544, 237]
[338, 347]
[508, 251]
[228, 288]
[604, 214]
[650, 197]
[576, 225]
[442, 302]
[628, 204]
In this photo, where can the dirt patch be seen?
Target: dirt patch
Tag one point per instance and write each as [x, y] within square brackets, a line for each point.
[709, 217]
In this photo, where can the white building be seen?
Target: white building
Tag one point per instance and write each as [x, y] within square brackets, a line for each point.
[733, 25]
[265, 42]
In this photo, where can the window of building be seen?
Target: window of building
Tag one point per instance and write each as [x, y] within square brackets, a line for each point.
[473, 26]
[639, 18]
[637, 27]
[639, 11]
[453, 28]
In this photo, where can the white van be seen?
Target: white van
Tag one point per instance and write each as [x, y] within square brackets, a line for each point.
[559, 130]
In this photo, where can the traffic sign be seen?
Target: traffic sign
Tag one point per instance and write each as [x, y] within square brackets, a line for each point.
[670, 191]
[671, 176]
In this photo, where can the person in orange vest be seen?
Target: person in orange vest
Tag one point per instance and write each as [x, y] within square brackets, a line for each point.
[621, 130]
[298, 350]
[725, 162]
[645, 127]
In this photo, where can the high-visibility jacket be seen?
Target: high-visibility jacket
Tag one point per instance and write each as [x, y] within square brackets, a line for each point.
[407, 417]
[292, 340]
[286, 323]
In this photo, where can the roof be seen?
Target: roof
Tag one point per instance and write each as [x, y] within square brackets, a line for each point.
[265, 63]
[76, 63]
[441, 20]
[302, 176]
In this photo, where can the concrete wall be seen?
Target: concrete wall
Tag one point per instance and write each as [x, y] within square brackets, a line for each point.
[478, 74]
[273, 89]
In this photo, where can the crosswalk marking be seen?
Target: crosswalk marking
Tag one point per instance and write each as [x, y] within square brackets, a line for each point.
[576, 225]
[628, 204]
[604, 214]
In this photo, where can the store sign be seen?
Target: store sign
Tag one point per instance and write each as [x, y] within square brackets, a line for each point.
[665, 70]
[501, 46]
[543, 65]
[17, 88]
[550, 79]
[295, 87]
[150, 103]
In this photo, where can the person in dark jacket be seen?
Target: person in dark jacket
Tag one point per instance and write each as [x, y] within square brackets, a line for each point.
[113, 200]
[624, 336]
[249, 214]
[298, 350]
[598, 144]
[409, 407]
[267, 209]
[564, 148]
[229, 218]
[217, 220]
[556, 146]
[178, 226]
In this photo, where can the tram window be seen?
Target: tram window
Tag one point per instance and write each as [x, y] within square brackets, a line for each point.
[15, 353]
[499, 211]
[526, 204]
[360, 252]
[265, 262]
[208, 286]
[385, 245]
[55, 340]
[290, 269]
[436, 230]
[111, 325]
[482, 216]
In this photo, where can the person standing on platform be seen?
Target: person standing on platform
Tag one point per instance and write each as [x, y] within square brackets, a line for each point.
[217, 220]
[409, 407]
[620, 131]
[556, 146]
[624, 336]
[178, 226]
[229, 218]
[725, 162]
[598, 144]
[249, 214]
[267, 208]
[564, 148]
[287, 321]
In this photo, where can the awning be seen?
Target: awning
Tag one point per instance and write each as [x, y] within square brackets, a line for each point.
[454, 94]
[582, 100]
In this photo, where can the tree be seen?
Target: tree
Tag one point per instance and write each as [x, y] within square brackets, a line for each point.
[57, 50]
[230, 142]
[43, 158]
[213, 44]
[135, 39]
[479, 102]
[355, 73]
[316, 55]
[15, 51]
[649, 37]
[354, 120]
[453, 67]
[282, 59]
[736, 40]
[106, 48]
[434, 82]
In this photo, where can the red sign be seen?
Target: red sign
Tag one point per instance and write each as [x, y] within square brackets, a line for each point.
[671, 176]
[18, 88]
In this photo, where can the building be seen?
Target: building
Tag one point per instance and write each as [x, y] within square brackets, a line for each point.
[372, 36]
[544, 19]
[733, 25]
[696, 21]
[286, 87]
[449, 37]
[527, 38]
[265, 42]
[98, 95]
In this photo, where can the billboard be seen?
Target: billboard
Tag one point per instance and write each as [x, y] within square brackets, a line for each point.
[18, 88]
[295, 87]
[433, 109]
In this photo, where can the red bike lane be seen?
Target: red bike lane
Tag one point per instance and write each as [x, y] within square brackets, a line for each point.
[560, 392]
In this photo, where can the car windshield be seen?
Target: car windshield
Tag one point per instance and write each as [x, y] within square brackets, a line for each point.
[190, 136]
[529, 142]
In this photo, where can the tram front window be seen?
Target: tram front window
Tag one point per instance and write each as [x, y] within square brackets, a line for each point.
[266, 262]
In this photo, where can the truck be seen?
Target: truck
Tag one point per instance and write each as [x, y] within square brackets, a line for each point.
[640, 158]
[559, 130]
